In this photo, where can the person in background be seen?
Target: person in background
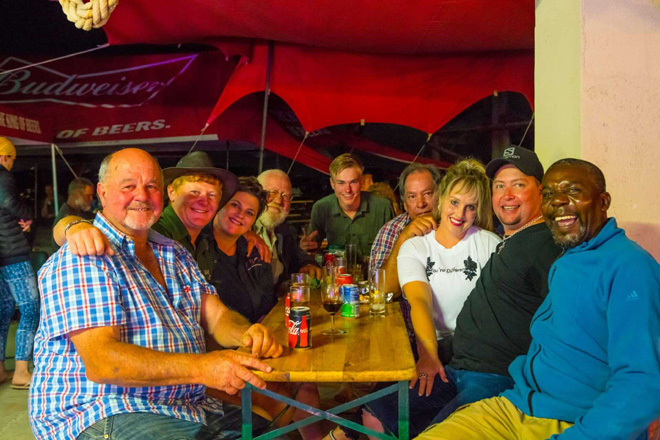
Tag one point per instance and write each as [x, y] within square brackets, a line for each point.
[592, 370]
[18, 284]
[272, 227]
[78, 204]
[124, 354]
[367, 181]
[349, 215]
[384, 190]
[437, 271]
[48, 205]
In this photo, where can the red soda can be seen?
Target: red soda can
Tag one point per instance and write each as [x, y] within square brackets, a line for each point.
[300, 327]
[344, 278]
[328, 259]
[287, 308]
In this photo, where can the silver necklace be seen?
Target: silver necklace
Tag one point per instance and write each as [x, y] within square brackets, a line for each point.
[527, 225]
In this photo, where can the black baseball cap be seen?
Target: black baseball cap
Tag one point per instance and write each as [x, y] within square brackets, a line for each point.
[200, 162]
[525, 160]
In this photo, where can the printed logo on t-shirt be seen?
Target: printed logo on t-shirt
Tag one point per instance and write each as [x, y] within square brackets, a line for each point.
[469, 268]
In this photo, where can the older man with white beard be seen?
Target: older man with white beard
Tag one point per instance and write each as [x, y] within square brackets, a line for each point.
[271, 226]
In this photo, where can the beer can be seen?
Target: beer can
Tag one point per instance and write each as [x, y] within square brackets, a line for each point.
[344, 278]
[287, 308]
[351, 298]
[300, 327]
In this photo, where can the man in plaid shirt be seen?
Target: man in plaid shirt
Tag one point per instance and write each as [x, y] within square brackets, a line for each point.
[416, 185]
[120, 349]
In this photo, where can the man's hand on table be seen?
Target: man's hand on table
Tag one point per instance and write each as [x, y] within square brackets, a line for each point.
[427, 368]
[87, 239]
[227, 370]
[261, 341]
[422, 225]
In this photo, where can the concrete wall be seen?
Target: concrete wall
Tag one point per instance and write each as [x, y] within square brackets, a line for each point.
[603, 103]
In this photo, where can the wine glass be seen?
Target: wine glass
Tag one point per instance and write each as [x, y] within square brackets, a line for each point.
[331, 299]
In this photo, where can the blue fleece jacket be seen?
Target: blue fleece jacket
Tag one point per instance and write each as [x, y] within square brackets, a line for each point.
[594, 359]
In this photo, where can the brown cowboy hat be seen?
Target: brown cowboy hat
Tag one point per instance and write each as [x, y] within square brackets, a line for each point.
[200, 162]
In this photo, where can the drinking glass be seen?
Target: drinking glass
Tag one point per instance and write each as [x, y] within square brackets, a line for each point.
[377, 297]
[299, 295]
[332, 301]
[300, 279]
[350, 257]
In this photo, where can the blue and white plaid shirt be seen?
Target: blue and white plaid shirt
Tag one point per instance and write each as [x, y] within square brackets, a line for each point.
[85, 292]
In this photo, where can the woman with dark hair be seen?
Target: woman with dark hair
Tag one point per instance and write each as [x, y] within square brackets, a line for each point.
[244, 282]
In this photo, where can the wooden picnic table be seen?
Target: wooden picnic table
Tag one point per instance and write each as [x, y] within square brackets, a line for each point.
[374, 349]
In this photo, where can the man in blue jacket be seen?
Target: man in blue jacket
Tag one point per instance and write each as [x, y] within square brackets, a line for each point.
[593, 368]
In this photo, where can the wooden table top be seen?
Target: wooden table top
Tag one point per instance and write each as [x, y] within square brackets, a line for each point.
[375, 349]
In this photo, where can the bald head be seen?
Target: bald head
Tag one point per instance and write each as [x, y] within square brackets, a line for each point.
[131, 191]
[113, 160]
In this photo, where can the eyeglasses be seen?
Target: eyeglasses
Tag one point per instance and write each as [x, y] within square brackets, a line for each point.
[286, 197]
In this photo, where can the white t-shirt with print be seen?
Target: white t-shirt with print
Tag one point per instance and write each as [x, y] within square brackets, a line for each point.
[451, 273]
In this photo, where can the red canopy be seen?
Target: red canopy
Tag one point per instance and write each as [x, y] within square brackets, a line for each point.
[369, 26]
[326, 88]
[416, 64]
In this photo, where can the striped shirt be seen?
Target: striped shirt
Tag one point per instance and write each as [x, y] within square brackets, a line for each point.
[85, 292]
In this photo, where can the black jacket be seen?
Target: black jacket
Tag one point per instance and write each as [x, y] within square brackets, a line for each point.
[288, 248]
[14, 247]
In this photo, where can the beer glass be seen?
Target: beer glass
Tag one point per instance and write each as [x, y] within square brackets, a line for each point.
[377, 297]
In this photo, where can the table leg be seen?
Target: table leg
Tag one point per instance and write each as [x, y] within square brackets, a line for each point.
[404, 420]
[246, 412]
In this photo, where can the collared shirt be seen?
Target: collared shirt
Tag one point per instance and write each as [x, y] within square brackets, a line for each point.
[332, 222]
[270, 238]
[86, 292]
[384, 242]
[170, 225]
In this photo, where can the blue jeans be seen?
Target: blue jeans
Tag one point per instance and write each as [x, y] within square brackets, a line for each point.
[19, 285]
[146, 426]
[471, 386]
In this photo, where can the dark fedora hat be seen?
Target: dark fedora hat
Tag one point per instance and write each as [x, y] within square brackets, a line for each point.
[198, 162]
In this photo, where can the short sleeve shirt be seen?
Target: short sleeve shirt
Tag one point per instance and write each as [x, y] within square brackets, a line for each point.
[86, 292]
[330, 221]
[450, 273]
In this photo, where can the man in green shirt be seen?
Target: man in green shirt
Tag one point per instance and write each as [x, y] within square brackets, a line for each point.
[349, 215]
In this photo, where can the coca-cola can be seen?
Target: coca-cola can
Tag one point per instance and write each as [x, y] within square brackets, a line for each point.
[328, 259]
[300, 327]
[344, 278]
[287, 308]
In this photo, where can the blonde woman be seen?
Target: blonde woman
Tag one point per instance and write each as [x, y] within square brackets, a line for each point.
[437, 272]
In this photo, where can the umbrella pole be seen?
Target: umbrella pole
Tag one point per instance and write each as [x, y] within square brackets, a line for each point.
[56, 202]
[265, 113]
